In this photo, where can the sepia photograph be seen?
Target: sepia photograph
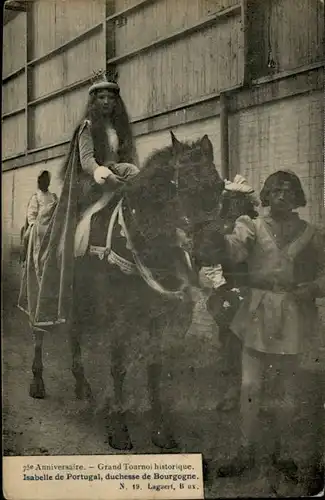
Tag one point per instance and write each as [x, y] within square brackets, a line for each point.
[163, 249]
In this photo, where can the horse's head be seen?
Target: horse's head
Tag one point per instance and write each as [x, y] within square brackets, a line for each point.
[198, 184]
[151, 196]
[177, 187]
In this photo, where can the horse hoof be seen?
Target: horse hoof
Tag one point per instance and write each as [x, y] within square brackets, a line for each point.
[120, 441]
[83, 391]
[37, 389]
[163, 440]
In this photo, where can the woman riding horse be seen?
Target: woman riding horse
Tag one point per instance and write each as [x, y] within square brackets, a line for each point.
[140, 268]
[135, 298]
[107, 154]
[101, 158]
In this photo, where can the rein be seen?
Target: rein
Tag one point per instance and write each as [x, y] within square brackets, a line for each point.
[126, 266]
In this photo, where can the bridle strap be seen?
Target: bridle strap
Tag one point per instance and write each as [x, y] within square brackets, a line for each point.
[111, 226]
[143, 270]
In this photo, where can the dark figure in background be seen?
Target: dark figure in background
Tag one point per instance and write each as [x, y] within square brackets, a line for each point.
[237, 199]
[40, 209]
[278, 320]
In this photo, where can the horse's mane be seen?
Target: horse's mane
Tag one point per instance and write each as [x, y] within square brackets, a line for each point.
[159, 157]
[156, 172]
[151, 194]
[159, 170]
[160, 162]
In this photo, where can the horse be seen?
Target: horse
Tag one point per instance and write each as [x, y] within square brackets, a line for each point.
[136, 278]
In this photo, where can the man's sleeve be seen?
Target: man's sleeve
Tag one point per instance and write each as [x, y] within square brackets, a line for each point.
[32, 210]
[318, 285]
[239, 242]
[213, 247]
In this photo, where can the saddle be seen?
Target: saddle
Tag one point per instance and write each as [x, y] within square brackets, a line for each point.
[131, 265]
[81, 242]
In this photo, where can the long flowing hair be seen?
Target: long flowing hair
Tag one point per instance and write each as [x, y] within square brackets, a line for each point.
[120, 122]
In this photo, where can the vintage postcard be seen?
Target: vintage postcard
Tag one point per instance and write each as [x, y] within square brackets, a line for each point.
[163, 262]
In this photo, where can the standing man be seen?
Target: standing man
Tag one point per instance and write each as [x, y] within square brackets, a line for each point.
[278, 321]
[40, 209]
[238, 198]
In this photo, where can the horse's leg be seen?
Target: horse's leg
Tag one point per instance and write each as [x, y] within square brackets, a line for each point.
[82, 387]
[81, 308]
[119, 438]
[161, 434]
[37, 387]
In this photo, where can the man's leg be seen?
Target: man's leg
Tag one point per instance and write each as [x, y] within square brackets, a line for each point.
[250, 401]
[301, 429]
[312, 426]
[232, 354]
[286, 413]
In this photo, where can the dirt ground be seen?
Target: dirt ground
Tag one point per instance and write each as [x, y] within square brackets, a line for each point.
[193, 386]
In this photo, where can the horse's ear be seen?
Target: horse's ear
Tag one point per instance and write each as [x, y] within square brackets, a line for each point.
[206, 146]
[175, 142]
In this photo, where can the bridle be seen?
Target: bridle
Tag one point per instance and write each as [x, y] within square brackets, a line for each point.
[177, 197]
[184, 218]
[187, 225]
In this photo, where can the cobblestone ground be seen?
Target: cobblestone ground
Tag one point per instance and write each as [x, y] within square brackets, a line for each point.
[193, 386]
